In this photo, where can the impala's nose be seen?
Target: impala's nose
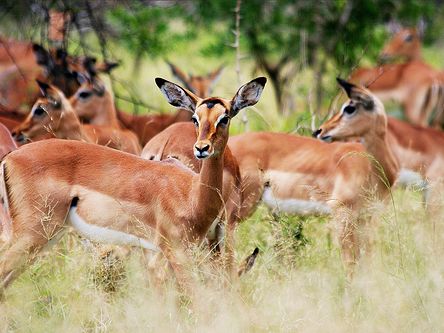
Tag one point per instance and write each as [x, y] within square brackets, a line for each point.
[316, 133]
[201, 151]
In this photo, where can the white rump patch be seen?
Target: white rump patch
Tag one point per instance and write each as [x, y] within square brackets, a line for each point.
[5, 216]
[105, 235]
[294, 206]
[408, 177]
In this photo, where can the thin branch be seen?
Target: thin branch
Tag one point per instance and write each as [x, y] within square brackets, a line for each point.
[236, 45]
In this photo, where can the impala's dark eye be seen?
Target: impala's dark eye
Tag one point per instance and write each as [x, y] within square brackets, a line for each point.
[195, 121]
[408, 38]
[224, 121]
[349, 109]
[38, 111]
[85, 94]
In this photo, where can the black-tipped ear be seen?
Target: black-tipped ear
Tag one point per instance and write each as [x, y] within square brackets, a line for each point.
[81, 79]
[43, 57]
[44, 87]
[347, 86]
[176, 95]
[247, 95]
[356, 94]
[90, 66]
[109, 66]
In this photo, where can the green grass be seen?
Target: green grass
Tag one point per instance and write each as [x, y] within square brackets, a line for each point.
[297, 284]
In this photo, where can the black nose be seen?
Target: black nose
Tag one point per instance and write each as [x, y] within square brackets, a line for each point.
[19, 137]
[316, 133]
[202, 149]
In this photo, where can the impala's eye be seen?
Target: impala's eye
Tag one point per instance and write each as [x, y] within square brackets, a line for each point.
[224, 121]
[85, 94]
[349, 109]
[408, 38]
[38, 111]
[195, 121]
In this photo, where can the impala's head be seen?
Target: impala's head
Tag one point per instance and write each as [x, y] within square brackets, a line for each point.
[212, 115]
[57, 67]
[362, 115]
[92, 95]
[405, 43]
[60, 68]
[201, 85]
[45, 114]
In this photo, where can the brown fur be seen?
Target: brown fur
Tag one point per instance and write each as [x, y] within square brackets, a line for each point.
[406, 83]
[176, 141]
[147, 126]
[166, 204]
[62, 122]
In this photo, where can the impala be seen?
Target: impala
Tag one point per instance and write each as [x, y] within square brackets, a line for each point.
[53, 114]
[17, 82]
[147, 126]
[410, 83]
[176, 142]
[300, 175]
[114, 197]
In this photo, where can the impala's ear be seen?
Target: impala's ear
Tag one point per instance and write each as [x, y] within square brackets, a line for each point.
[44, 88]
[421, 27]
[43, 57]
[214, 76]
[81, 78]
[393, 27]
[107, 67]
[247, 95]
[176, 95]
[90, 66]
[179, 74]
[50, 93]
[357, 94]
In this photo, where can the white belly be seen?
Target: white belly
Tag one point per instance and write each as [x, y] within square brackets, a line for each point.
[293, 205]
[105, 235]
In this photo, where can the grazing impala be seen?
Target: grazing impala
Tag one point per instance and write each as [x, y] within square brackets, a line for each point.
[147, 126]
[411, 83]
[110, 196]
[300, 175]
[54, 114]
[176, 142]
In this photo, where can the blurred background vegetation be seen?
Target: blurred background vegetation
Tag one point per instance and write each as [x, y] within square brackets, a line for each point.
[301, 46]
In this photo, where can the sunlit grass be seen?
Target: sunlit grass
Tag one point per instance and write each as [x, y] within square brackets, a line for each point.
[298, 283]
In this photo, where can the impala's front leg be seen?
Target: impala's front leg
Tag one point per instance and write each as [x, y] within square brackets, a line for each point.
[345, 225]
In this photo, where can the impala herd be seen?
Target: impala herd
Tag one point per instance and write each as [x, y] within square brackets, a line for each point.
[163, 182]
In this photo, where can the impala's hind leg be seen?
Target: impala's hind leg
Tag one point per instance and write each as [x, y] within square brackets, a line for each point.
[252, 190]
[37, 230]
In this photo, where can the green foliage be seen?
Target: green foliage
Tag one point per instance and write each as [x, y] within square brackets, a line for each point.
[146, 30]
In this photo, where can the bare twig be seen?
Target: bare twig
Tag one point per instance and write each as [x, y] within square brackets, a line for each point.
[236, 45]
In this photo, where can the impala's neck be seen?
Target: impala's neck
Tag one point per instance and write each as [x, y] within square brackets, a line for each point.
[208, 193]
[106, 114]
[377, 144]
[68, 126]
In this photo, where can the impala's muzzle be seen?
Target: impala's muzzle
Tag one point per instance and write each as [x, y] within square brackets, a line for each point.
[202, 150]
[318, 134]
[19, 137]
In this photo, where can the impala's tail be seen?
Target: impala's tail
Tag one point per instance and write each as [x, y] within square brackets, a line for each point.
[248, 263]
